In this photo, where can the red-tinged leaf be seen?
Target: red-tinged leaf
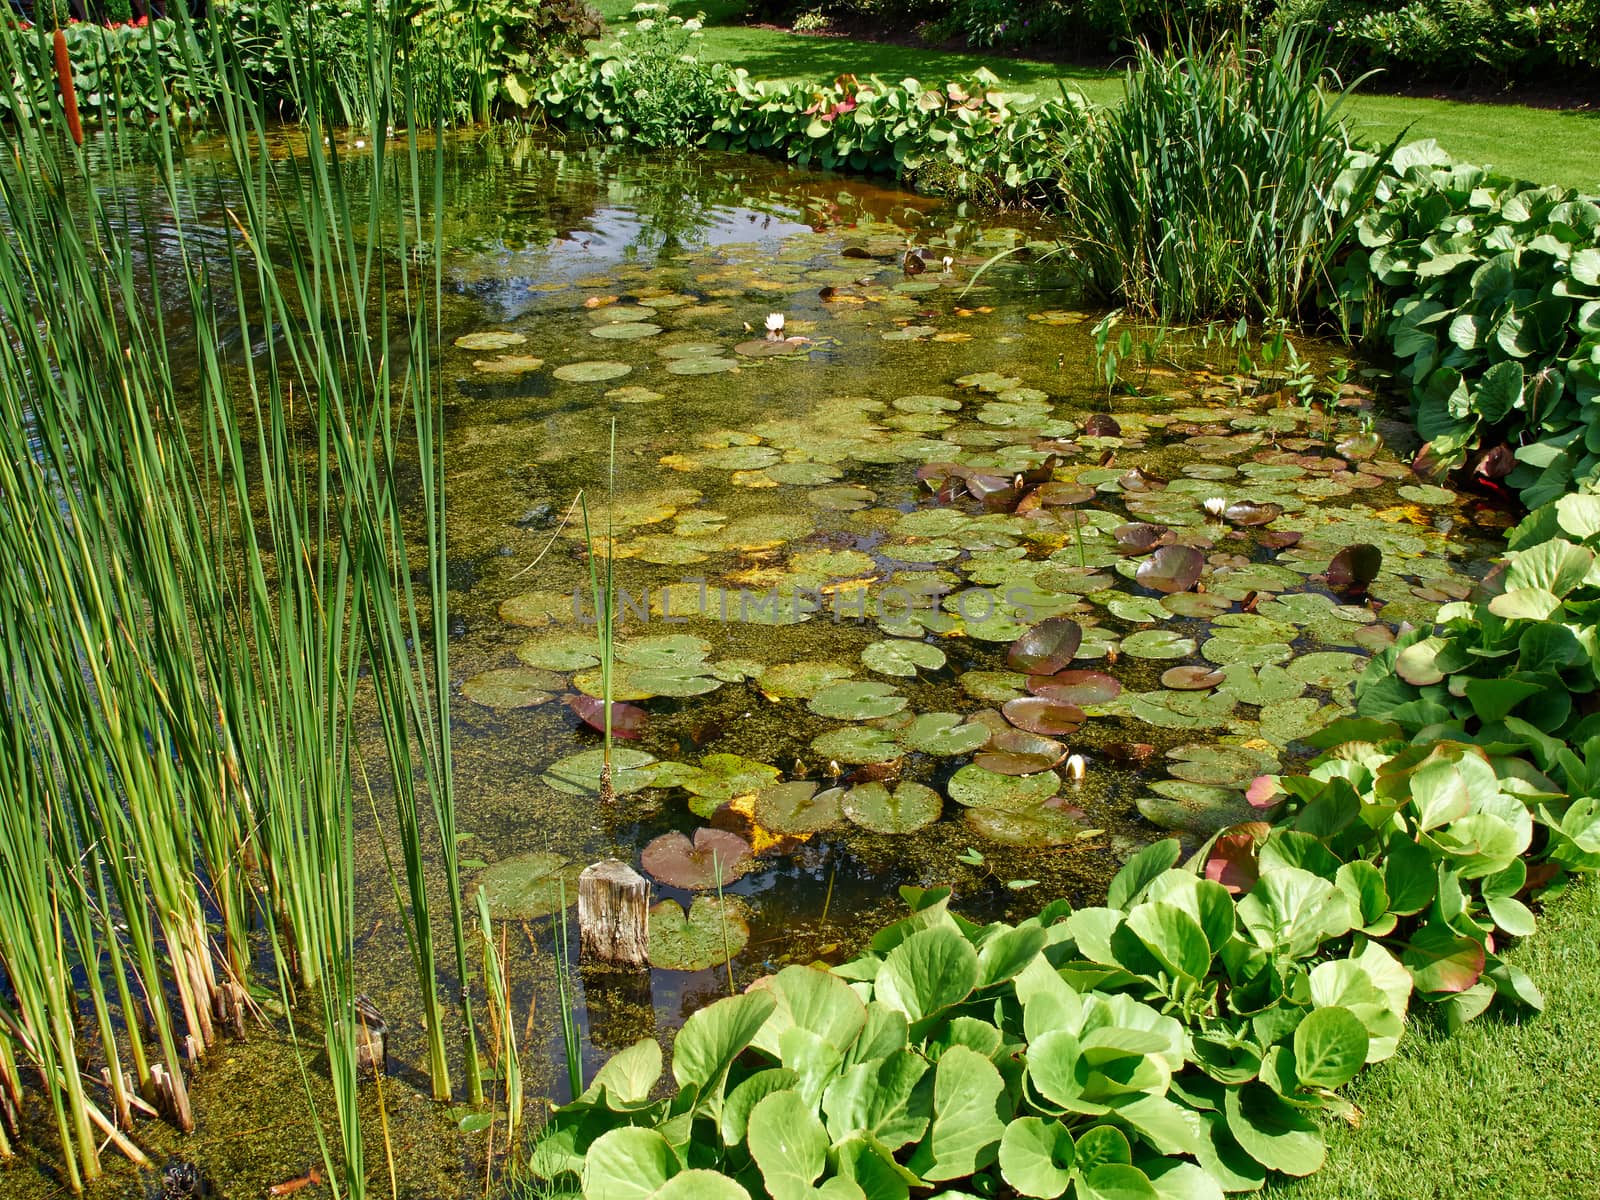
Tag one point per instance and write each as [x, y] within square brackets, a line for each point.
[1041, 714]
[1246, 512]
[1354, 568]
[1191, 679]
[1264, 792]
[1442, 961]
[1359, 447]
[627, 720]
[1171, 569]
[1136, 480]
[715, 856]
[1281, 539]
[1129, 753]
[1429, 464]
[1076, 687]
[1047, 647]
[1101, 425]
[1064, 493]
[1494, 463]
[1136, 537]
[1232, 861]
[1017, 752]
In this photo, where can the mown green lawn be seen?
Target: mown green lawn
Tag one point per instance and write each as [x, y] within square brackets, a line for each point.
[1502, 1109]
[1539, 144]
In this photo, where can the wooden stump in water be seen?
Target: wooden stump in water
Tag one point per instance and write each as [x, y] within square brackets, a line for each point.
[614, 914]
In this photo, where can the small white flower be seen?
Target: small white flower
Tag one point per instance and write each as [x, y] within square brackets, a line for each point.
[645, 24]
[1075, 766]
[774, 325]
[1215, 506]
[692, 26]
[948, 263]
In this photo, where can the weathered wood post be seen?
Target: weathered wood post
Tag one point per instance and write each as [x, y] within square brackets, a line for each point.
[614, 915]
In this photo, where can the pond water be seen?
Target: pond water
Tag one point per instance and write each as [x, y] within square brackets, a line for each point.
[827, 543]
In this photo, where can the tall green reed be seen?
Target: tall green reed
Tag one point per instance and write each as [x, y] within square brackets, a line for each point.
[1223, 184]
[199, 577]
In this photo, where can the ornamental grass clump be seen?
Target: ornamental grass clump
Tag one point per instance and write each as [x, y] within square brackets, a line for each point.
[1223, 185]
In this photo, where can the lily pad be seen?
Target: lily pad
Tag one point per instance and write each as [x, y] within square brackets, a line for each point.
[1157, 643]
[711, 933]
[633, 394]
[1194, 808]
[801, 680]
[1043, 715]
[1191, 679]
[490, 339]
[528, 886]
[1261, 685]
[1076, 687]
[511, 687]
[579, 774]
[858, 744]
[899, 656]
[1042, 825]
[797, 808]
[1018, 752]
[856, 701]
[508, 364]
[942, 735]
[625, 331]
[559, 652]
[627, 720]
[974, 787]
[701, 366]
[1354, 567]
[721, 777]
[536, 609]
[1046, 648]
[715, 858]
[1247, 512]
[1220, 766]
[591, 372]
[1171, 569]
[908, 807]
[680, 652]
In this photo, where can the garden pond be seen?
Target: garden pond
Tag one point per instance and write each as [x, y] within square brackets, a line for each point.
[908, 593]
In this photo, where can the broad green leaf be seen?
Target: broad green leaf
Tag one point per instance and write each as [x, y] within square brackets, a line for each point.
[1330, 1046]
[881, 1099]
[789, 1145]
[929, 971]
[966, 1126]
[813, 999]
[1139, 870]
[629, 1163]
[1114, 1181]
[1007, 952]
[700, 1185]
[1036, 1157]
[629, 1075]
[1173, 936]
[712, 1038]
[750, 1092]
[1274, 1133]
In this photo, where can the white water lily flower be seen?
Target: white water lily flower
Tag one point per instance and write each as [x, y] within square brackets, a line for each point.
[1075, 766]
[948, 263]
[1215, 506]
[774, 325]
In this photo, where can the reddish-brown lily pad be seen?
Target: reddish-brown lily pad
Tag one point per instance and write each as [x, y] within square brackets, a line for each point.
[1017, 752]
[1076, 687]
[1354, 567]
[1047, 647]
[1042, 715]
[627, 720]
[1247, 512]
[1171, 569]
[715, 857]
[1101, 425]
[1191, 679]
[1136, 537]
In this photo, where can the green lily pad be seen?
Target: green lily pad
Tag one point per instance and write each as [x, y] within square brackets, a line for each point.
[1180, 710]
[1259, 685]
[898, 656]
[908, 807]
[559, 652]
[680, 652]
[721, 777]
[490, 339]
[624, 331]
[508, 364]
[632, 394]
[1293, 720]
[512, 687]
[715, 858]
[1158, 644]
[701, 366]
[528, 886]
[1327, 669]
[591, 372]
[579, 774]
[641, 683]
[942, 735]
[691, 350]
[801, 680]
[1037, 826]
[996, 687]
[711, 933]
[856, 701]
[858, 744]
[974, 787]
[1220, 766]
[797, 808]
[536, 609]
[1194, 808]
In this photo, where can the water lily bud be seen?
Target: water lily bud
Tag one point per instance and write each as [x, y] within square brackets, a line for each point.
[1075, 767]
[1215, 506]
